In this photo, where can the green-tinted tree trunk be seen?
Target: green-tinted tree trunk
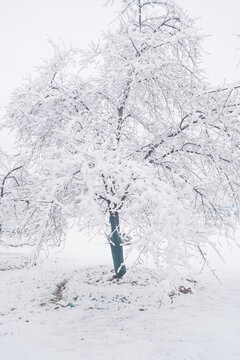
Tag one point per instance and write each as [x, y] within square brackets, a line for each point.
[116, 246]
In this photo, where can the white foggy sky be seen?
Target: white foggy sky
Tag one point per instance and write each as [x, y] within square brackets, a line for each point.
[25, 26]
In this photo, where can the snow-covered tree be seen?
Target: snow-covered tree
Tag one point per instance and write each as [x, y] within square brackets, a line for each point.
[143, 141]
[11, 180]
[24, 218]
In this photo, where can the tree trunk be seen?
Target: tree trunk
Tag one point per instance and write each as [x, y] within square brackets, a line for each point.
[116, 246]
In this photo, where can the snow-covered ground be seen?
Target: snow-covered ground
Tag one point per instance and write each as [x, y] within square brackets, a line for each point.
[123, 319]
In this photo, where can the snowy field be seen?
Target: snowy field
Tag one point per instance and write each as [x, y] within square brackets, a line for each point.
[110, 319]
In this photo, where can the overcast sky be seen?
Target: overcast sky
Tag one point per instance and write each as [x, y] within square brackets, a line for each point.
[25, 26]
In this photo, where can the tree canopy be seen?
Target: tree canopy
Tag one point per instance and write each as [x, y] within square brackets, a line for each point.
[143, 139]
